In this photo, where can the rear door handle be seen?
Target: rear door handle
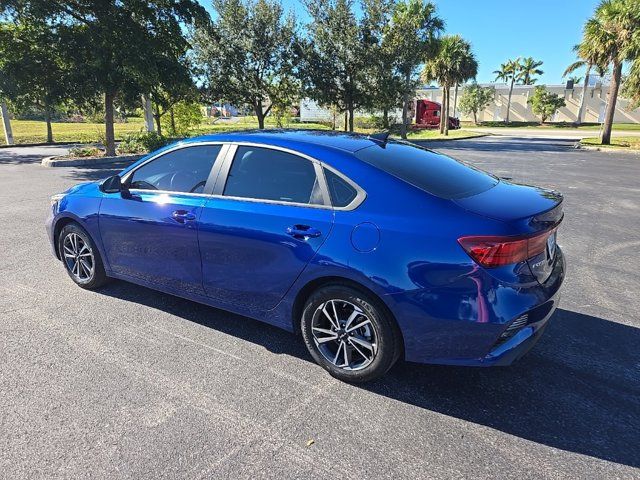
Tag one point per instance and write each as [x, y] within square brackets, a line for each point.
[182, 216]
[303, 231]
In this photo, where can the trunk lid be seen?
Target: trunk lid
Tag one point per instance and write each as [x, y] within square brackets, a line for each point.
[509, 201]
[536, 212]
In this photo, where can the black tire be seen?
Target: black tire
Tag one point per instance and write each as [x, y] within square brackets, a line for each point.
[91, 278]
[387, 342]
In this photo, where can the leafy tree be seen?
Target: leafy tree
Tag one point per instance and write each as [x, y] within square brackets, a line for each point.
[453, 63]
[612, 36]
[474, 99]
[285, 94]
[174, 85]
[413, 36]
[334, 64]
[545, 103]
[508, 73]
[248, 54]
[116, 43]
[588, 59]
[528, 69]
[384, 83]
[33, 70]
[184, 116]
[631, 88]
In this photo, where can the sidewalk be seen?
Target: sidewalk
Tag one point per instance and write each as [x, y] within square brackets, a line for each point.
[568, 133]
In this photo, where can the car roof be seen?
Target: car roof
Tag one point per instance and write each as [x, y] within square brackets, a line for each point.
[347, 142]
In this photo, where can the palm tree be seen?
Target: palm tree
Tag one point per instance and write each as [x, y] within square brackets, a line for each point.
[508, 73]
[587, 58]
[610, 38]
[453, 64]
[529, 68]
[575, 79]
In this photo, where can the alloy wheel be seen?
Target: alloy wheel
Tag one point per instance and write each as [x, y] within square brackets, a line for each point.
[344, 334]
[78, 257]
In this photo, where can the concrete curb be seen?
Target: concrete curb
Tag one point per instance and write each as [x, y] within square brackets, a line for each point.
[86, 162]
[593, 148]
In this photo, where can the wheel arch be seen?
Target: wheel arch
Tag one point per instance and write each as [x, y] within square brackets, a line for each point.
[59, 225]
[307, 290]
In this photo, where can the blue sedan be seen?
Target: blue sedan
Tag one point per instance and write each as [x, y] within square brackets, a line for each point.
[371, 249]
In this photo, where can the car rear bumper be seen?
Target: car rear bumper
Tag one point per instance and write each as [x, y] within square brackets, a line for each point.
[497, 324]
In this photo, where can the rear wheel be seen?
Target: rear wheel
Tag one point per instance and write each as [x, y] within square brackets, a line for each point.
[349, 334]
[81, 257]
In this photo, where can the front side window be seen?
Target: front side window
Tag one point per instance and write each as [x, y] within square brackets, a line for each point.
[266, 174]
[184, 170]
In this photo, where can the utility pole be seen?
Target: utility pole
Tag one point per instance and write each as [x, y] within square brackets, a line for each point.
[148, 113]
[6, 121]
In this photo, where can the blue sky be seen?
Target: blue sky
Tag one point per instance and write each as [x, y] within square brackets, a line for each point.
[502, 29]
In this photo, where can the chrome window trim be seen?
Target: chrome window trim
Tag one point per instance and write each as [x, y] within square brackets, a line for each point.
[142, 191]
[217, 179]
[218, 191]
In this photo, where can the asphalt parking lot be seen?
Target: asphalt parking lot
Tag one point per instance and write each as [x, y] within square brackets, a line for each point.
[127, 382]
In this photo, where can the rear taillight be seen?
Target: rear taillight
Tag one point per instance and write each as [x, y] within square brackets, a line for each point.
[495, 251]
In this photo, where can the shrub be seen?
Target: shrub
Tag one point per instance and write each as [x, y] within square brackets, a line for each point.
[370, 122]
[89, 151]
[186, 117]
[142, 142]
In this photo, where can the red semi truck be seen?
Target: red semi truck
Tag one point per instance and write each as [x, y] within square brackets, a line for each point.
[428, 115]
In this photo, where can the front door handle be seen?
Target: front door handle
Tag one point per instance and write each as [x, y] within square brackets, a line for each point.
[182, 216]
[303, 232]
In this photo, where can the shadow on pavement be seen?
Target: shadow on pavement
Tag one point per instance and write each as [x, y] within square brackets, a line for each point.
[96, 172]
[577, 390]
[8, 157]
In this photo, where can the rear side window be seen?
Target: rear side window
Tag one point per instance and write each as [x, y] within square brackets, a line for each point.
[342, 194]
[184, 170]
[266, 174]
[434, 173]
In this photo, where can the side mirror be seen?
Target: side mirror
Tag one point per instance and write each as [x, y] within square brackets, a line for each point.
[112, 184]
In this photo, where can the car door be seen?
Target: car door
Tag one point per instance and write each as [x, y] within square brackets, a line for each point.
[269, 216]
[149, 230]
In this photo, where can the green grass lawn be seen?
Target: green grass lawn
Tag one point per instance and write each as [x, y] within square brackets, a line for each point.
[536, 125]
[631, 143]
[32, 131]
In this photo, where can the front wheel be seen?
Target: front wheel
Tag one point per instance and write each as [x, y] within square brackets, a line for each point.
[350, 334]
[81, 257]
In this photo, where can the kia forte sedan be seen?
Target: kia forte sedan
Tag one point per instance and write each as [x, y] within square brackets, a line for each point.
[371, 249]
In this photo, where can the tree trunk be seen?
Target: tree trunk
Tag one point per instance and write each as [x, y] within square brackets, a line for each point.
[611, 108]
[148, 113]
[513, 78]
[259, 114]
[109, 134]
[157, 118]
[475, 118]
[47, 118]
[455, 100]
[405, 107]
[385, 118]
[6, 122]
[442, 106]
[583, 98]
[351, 115]
[346, 120]
[172, 116]
[446, 120]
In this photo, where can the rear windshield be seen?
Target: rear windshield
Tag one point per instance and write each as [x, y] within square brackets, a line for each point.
[434, 173]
